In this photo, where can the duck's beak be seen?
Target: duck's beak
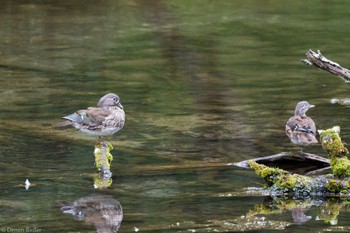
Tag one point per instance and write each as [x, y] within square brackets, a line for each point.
[120, 105]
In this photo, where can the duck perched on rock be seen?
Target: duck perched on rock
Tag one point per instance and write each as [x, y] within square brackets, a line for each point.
[300, 128]
[105, 119]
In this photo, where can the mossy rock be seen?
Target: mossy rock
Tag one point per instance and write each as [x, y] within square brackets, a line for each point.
[336, 150]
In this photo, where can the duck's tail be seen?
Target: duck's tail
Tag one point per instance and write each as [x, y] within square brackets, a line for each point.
[64, 124]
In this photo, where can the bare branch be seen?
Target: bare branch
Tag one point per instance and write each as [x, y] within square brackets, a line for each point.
[320, 61]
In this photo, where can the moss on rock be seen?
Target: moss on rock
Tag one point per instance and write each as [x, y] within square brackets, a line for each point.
[336, 150]
[282, 182]
[269, 174]
[340, 166]
[332, 143]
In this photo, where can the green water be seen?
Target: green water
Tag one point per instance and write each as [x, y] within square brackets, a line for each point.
[203, 84]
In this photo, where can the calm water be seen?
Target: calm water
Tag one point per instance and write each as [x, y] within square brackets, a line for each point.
[203, 83]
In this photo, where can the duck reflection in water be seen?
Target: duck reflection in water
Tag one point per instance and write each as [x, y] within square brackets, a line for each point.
[299, 215]
[102, 211]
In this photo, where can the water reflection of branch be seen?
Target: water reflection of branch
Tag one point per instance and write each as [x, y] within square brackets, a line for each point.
[102, 211]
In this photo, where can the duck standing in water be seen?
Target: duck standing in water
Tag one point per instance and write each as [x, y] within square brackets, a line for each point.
[300, 128]
[104, 120]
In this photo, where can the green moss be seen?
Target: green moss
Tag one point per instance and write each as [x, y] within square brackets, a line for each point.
[334, 186]
[329, 211]
[264, 209]
[332, 143]
[102, 183]
[340, 166]
[281, 179]
[287, 181]
[296, 183]
[347, 185]
[336, 150]
[103, 156]
[269, 174]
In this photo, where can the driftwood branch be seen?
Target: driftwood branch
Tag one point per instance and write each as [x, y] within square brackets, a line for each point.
[301, 162]
[320, 61]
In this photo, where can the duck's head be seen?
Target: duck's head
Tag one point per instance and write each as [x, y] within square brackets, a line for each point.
[302, 108]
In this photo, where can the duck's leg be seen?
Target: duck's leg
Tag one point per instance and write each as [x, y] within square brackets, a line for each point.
[99, 140]
[103, 143]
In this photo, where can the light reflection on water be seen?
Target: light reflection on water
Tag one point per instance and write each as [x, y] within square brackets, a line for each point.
[202, 84]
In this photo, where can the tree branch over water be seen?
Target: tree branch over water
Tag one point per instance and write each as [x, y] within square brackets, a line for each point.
[320, 61]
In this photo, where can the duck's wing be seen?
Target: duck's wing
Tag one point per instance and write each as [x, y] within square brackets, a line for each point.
[292, 124]
[307, 125]
[298, 124]
[311, 125]
[89, 117]
[301, 131]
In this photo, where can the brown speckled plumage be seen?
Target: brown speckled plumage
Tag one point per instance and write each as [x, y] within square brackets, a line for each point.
[105, 119]
[300, 128]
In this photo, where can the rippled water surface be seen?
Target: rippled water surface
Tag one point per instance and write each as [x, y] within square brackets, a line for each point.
[204, 84]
